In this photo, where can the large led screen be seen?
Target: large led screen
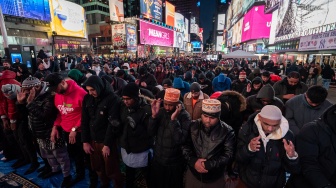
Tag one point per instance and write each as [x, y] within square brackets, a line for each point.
[68, 19]
[116, 10]
[151, 9]
[196, 44]
[322, 41]
[186, 29]
[34, 9]
[237, 32]
[179, 40]
[220, 22]
[179, 21]
[273, 27]
[170, 14]
[119, 35]
[299, 18]
[257, 24]
[219, 43]
[131, 37]
[155, 35]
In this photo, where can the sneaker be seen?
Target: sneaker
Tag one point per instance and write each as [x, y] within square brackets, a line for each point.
[3, 159]
[66, 182]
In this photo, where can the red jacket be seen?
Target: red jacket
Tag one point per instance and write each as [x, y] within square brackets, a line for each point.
[7, 106]
[69, 106]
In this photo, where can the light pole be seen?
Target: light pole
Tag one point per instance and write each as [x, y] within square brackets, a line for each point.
[97, 45]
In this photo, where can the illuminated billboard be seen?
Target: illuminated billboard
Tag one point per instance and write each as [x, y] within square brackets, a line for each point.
[186, 29]
[68, 19]
[33, 9]
[116, 10]
[271, 4]
[151, 9]
[131, 37]
[119, 35]
[220, 22]
[196, 44]
[273, 27]
[155, 35]
[322, 41]
[219, 43]
[256, 24]
[237, 32]
[179, 22]
[170, 14]
[301, 18]
[179, 40]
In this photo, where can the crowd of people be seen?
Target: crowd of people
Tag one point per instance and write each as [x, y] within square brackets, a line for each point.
[178, 122]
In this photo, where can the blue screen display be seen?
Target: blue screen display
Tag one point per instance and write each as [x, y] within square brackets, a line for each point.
[16, 56]
[196, 44]
[223, 1]
[33, 9]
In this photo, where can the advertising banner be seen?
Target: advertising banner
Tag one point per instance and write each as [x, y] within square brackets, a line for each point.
[271, 4]
[170, 14]
[220, 22]
[68, 19]
[237, 32]
[219, 43]
[302, 18]
[273, 27]
[116, 10]
[151, 9]
[152, 34]
[186, 29]
[322, 41]
[179, 40]
[179, 21]
[229, 16]
[131, 37]
[237, 8]
[37, 10]
[196, 44]
[257, 24]
[194, 28]
[119, 35]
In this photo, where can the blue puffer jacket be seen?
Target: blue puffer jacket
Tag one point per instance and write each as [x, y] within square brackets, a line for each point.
[221, 83]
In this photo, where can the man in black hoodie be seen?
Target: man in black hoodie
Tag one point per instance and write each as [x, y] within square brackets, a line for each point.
[100, 129]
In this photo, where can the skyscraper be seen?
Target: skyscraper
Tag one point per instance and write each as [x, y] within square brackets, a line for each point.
[188, 8]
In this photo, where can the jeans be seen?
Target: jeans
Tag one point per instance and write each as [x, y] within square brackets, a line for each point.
[326, 83]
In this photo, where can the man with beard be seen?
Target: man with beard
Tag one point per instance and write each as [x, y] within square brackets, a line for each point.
[170, 126]
[206, 84]
[193, 101]
[289, 87]
[7, 66]
[68, 100]
[209, 148]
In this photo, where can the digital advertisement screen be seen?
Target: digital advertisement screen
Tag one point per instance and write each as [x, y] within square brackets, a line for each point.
[155, 35]
[186, 29]
[322, 41]
[16, 56]
[271, 4]
[119, 35]
[220, 22]
[273, 27]
[116, 10]
[256, 24]
[298, 18]
[237, 32]
[68, 19]
[131, 37]
[196, 44]
[151, 9]
[170, 14]
[179, 21]
[179, 40]
[219, 43]
[34, 9]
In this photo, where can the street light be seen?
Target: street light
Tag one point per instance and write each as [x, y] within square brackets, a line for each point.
[97, 45]
[53, 42]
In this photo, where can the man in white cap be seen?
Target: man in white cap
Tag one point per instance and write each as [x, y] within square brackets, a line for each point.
[209, 147]
[265, 149]
[169, 126]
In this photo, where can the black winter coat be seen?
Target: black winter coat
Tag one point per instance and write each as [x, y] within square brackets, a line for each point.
[100, 117]
[263, 169]
[42, 114]
[169, 136]
[150, 81]
[216, 145]
[316, 145]
[135, 138]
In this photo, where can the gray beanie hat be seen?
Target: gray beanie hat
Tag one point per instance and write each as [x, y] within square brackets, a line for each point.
[195, 87]
[267, 92]
[11, 90]
[31, 82]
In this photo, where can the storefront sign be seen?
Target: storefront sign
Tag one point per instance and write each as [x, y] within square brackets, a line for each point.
[151, 34]
[314, 17]
[322, 41]
[257, 24]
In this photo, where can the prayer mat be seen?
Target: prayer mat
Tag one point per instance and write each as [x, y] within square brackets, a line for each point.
[13, 180]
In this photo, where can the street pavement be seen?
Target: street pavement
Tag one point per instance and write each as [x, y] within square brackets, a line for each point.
[332, 94]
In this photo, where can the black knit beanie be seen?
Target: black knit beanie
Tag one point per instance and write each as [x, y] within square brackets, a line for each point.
[131, 90]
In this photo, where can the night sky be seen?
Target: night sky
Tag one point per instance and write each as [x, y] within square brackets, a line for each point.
[207, 10]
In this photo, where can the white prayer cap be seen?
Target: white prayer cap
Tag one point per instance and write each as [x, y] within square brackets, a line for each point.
[271, 112]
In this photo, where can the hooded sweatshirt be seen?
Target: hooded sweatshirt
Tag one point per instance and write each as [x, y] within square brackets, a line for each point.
[221, 83]
[183, 86]
[69, 106]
